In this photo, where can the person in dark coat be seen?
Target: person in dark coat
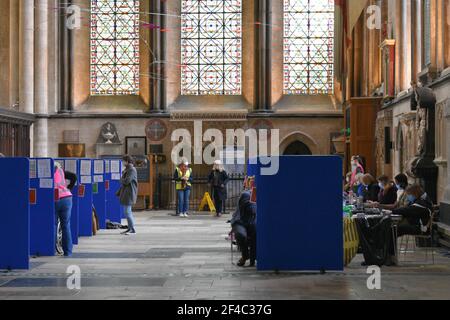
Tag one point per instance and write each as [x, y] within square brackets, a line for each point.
[218, 179]
[371, 188]
[128, 192]
[388, 191]
[417, 214]
[243, 223]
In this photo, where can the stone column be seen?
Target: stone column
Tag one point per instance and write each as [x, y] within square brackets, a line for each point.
[65, 60]
[40, 138]
[14, 52]
[447, 33]
[158, 46]
[263, 48]
[41, 54]
[406, 45]
[26, 56]
[445, 204]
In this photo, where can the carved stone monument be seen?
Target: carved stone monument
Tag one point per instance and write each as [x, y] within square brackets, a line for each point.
[422, 166]
[108, 142]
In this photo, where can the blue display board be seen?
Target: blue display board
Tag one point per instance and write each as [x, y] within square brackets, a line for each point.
[42, 207]
[73, 165]
[14, 214]
[113, 169]
[300, 225]
[85, 198]
[99, 193]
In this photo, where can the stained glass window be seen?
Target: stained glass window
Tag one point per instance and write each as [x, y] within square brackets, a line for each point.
[211, 41]
[308, 46]
[114, 47]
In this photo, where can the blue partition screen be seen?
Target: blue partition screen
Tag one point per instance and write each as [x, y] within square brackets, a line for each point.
[42, 209]
[113, 170]
[99, 195]
[85, 198]
[14, 214]
[300, 226]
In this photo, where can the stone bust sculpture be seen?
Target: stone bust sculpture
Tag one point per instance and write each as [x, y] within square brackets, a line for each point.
[108, 134]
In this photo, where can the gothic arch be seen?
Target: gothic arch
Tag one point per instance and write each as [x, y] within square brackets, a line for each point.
[301, 137]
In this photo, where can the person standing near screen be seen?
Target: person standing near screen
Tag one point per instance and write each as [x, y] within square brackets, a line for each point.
[63, 209]
[218, 178]
[128, 193]
[183, 179]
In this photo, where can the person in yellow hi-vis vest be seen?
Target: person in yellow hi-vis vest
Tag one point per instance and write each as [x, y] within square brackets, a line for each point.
[183, 180]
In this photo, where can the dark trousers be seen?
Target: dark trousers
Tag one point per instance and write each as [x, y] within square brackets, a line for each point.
[246, 240]
[218, 200]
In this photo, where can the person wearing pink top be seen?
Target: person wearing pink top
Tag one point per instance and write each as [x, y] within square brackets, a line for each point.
[63, 209]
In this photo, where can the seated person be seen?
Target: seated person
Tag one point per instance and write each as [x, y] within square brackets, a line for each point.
[401, 183]
[417, 214]
[244, 228]
[371, 188]
[388, 191]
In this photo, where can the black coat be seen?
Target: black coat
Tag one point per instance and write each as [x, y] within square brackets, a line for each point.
[416, 212]
[223, 179]
[389, 196]
[371, 192]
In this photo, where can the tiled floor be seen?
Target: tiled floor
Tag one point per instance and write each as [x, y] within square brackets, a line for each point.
[175, 258]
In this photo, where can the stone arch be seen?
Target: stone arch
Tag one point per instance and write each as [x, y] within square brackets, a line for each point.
[300, 137]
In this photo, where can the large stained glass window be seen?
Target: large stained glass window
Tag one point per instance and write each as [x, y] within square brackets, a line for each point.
[308, 47]
[114, 47]
[211, 37]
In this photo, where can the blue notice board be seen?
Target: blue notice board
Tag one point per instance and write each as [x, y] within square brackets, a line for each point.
[300, 226]
[113, 169]
[85, 198]
[14, 214]
[73, 165]
[99, 195]
[42, 208]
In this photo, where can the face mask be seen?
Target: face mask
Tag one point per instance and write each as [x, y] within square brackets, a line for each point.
[398, 187]
[381, 185]
[411, 198]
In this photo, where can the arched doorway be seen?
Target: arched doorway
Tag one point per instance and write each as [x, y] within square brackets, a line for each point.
[297, 148]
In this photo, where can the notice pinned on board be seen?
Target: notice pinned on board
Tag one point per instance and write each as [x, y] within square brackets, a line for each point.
[115, 176]
[115, 166]
[71, 166]
[33, 169]
[44, 168]
[86, 168]
[99, 167]
[86, 180]
[46, 183]
[107, 166]
[98, 179]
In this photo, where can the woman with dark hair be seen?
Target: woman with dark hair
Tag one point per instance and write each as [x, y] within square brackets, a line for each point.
[401, 183]
[388, 191]
[128, 192]
[244, 228]
[218, 179]
[417, 214]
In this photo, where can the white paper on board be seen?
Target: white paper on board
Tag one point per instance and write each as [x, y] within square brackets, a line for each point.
[46, 183]
[107, 166]
[86, 167]
[33, 174]
[115, 176]
[98, 167]
[98, 179]
[44, 168]
[115, 166]
[86, 180]
[71, 166]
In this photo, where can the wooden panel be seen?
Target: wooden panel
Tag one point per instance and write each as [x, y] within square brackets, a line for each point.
[363, 115]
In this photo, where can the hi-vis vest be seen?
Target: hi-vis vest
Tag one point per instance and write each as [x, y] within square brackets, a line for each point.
[60, 185]
[179, 185]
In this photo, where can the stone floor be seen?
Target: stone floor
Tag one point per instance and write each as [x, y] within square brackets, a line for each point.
[175, 258]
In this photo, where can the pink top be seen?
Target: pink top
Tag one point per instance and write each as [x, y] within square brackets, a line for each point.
[60, 185]
[353, 177]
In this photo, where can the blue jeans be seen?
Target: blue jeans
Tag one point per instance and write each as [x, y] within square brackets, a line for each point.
[63, 211]
[183, 200]
[130, 218]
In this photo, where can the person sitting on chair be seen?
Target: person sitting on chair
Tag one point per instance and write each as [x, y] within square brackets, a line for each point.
[417, 215]
[244, 228]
